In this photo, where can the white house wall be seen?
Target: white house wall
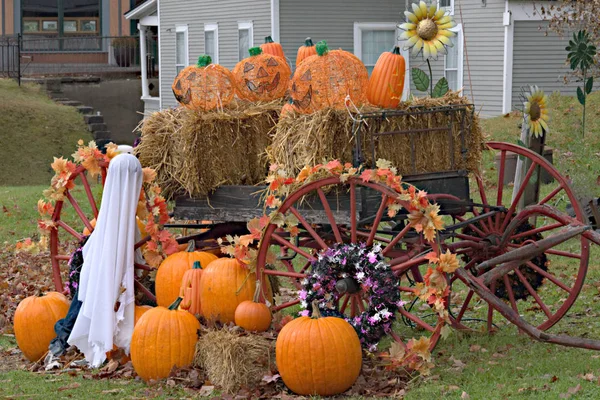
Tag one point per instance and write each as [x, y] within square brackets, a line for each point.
[225, 13]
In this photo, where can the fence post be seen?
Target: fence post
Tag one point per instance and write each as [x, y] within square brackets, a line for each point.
[19, 43]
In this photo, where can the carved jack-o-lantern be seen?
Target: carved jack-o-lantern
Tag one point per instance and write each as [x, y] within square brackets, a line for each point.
[326, 79]
[204, 86]
[261, 77]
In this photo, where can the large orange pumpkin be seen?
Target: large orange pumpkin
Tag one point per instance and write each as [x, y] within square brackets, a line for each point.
[171, 271]
[252, 315]
[271, 47]
[204, 86]
[34, 322]
[326, 79]
[305, 51]
[190, 289]
[261, 77]
[119, 354]
[387, 80]
[318, 356]
[163, 338]
[225, 284]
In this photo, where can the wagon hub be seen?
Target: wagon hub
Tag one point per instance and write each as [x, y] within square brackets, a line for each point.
[347, 286]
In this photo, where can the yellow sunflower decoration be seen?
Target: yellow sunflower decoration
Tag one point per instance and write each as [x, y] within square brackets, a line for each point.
[536, 111]
[427, 29]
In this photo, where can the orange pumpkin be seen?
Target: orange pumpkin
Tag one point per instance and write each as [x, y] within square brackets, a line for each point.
[225, 284]
[171, 271]
[204, 86]
[387, 80]
[253, 315]
[162, 339]
[118, 354]
[271, 47]
[261, 77]
[305, 51]
[318, 356]
[190, 289]
[287, 110]
[326, 79]
[34, 321]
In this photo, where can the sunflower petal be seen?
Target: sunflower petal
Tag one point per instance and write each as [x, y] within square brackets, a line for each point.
[448, 25]
[526, 107]
[407, 35]
[426, 50]
[439, 14]
[417, 47]
[445, 41]
[544, 125]
[408, 26]
[412, 41]
[432, 10]
[417, 11]
[411, 17]
[423, 7]
[439, 45]
[444, 20]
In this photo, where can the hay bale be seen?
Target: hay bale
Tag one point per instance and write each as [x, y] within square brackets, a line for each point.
[327, 134]
[233, 359]
[195, 152]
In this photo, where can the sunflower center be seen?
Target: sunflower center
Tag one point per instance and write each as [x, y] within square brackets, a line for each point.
[535, 111]
[427, 29]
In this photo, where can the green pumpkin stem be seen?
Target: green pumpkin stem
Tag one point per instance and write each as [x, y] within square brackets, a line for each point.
[257, 292]
[255, 51]
[204, 61]
[322, 48]
[197, 265]
[308, 42]
[395, 50]
[316, 313]
[269, 39]
[175, 304]
[191, 246]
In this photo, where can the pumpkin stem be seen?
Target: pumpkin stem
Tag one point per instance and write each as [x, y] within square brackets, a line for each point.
[316, 313]
[396, 50]
[308, 42]
[322, 48]
[257, 292]
[191, 246]
[255, 51]
[175, 304]
[204, 61]
[269, 39]
[197, 265]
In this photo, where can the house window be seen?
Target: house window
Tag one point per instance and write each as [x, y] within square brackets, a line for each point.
[372, 39]
[448, 5]
[61, 18]
[453, 63]
[182, 47]
[245, 39]
[211, 41]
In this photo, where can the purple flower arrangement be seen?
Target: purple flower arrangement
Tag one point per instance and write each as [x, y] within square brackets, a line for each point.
[75, 264]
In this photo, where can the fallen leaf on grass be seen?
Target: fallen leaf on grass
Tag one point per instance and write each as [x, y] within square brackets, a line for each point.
[453, 388]
[112, 391]
[588, 377]
[465, 396]
[73, 385]
[206, 391]
[474, 348]
[570, 392]
[271, 378]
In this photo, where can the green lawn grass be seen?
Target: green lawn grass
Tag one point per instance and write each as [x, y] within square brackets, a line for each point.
[34, 129]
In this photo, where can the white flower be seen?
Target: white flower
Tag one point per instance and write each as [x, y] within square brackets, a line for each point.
[360, 276]
[376, 248]
[304, 304]
[385, 313]
[376, 317]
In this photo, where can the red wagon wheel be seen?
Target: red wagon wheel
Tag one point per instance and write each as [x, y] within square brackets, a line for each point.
[407, 260]
[543, 288]
[65, 233]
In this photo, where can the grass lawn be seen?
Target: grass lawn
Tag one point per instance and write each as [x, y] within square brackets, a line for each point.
[34, 129]
[476, 366]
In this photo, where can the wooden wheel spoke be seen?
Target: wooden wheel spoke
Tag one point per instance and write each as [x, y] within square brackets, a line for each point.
[287, 274]
[79, 211]
[535, 231]
[563, 253]
[465, 305]
[286, 305]
[88, 192]
[403, 266]
[415, 319]
[142, 242]
[520, 192]
[483, 201]
[490, 313]
[67, 228]
[366, 235]
[305, 267]
[353, 306]
[511, 295]
[143, 289]
[395, 240]
[472, 226]
[549, 276]
[344, 303]
[353, 238]
[359, 302]
[533, 293]
[291, 246]
[377, 219]
[551, 194]
[308, 228]
[327, 208]
[144, 267]
[500, 187]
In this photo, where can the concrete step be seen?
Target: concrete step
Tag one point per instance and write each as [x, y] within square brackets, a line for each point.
[85, 110]
[102, 135]
[97, 127]
[57, 95]
[60, 99]
[93, 119]
[71, 103]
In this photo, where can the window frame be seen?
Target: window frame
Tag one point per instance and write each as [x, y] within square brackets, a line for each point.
[245, 25]
[359, 27]
[459, 58]
[213, 27]
[185, 30]
[450, 9]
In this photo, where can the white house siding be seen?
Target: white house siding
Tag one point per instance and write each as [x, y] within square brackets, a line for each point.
[539, 58]
[225, 13]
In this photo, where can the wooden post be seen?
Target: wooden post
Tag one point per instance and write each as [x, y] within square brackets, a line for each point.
[531, 192]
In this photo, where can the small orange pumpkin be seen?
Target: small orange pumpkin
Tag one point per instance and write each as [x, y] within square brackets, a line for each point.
[387, 79]
[261, 77]
[305, 51]
[171, 271]
[225, 284]
[204, 86]
[34, 321]
[287, 110]
[253, 315]
[326, 79]
[190, 289]
[271, 47]
[162, 339]
[305, 352]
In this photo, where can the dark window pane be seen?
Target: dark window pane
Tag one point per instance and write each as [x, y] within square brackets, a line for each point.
[81, 8]
[40, 8]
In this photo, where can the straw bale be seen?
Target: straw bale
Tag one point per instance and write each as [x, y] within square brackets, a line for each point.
[233, 359]
[327, 134]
